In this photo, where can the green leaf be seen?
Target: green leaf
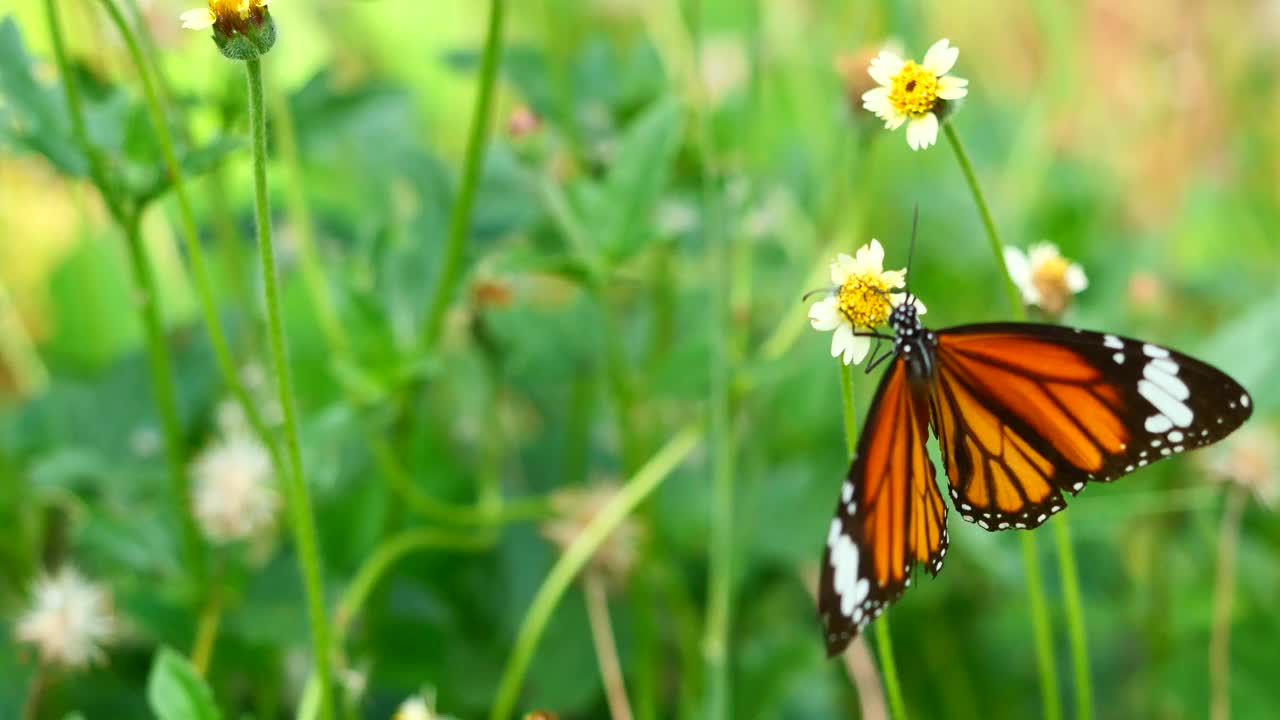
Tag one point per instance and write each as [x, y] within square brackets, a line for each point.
[636, 179]
[176, 692]
[38, 118]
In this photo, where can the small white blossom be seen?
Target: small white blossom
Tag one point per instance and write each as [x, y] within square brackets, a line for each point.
[1045, 278]
[915, 93]
[70, 619]
[234, 493]
[860, 299]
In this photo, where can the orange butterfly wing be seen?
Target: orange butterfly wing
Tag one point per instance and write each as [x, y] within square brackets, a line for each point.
[1024, 412]
[890, 515]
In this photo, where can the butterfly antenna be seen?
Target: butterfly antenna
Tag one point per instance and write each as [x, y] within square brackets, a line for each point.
[911, 249]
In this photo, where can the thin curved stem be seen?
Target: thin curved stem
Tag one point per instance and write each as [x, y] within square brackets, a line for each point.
[165, 390]
[606, 649]
[575, 557]
[1075, 619]
[1223, 592]
[75, 112]
[1066, 556]
[387, 554]
[460, 218]
[1049, 693]
[997, 248]
[295, 481]
[191, 240]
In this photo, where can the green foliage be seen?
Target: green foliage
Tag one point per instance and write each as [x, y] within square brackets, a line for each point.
[176, 692]
[579, 340]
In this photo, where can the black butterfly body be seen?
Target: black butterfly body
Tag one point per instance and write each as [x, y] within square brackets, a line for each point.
[1023, 414]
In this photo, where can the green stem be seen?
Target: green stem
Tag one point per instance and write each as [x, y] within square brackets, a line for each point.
[460, 219]
[884, 641]
[1049, 693]
[575, 557]
[1066, 557]
[299, 498]
[997, 248]
[884, 645]
[850, 411]
[1075, 618]
[191, 238]
[75, 111]
[387, 554]
[166, 397]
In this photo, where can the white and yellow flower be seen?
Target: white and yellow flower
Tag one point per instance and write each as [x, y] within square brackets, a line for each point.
[860, 299]
[1045, 278]
[234, 496]
[69, 621]
[914, 93]
[230, 13]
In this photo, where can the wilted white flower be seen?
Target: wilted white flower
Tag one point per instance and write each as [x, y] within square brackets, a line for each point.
[915, 93]
[234, 496]
[860, 298]
[1045, 278]
[1250, 459]
[575, 508]
[70, 619]
[419, 707]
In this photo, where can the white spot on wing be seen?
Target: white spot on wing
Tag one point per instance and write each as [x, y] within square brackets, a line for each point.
[1244, 401]
[1153, 351]
[1175, 436]
[846, 492]
[851, 589]
[1157, 424]
[1119, 358]
[1112, 341]
[1178, 413]
[1175, 388]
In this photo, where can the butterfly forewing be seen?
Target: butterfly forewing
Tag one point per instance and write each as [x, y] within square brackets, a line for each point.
[890, 513]
[1025, 412]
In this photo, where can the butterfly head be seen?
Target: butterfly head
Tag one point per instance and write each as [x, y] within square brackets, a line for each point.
[911, 339]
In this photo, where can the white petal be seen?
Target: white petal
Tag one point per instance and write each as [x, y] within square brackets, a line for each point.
[941, 57]
[922, 131]
[857, 349]
[1015, 261]
[1076, 280]
[894, 278]
[197, 19]
[884, 67]
[842, 268]
[824, 315]
[920, 308]
[877, 101]
[1041, 253]
[894, 119]
[951, 87]
[870, 258]
[841, 339]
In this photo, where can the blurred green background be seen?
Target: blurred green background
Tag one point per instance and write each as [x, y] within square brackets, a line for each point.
[1139, 137]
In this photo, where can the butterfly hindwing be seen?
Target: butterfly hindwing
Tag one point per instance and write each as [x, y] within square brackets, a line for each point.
[1027, 412]
[889, 517]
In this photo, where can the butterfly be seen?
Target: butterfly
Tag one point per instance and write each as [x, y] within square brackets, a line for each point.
[1024, 413]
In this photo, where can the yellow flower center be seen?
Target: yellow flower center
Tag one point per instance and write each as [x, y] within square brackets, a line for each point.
[232, 11]
[915, 90]
[1050, 280]
[864, 300]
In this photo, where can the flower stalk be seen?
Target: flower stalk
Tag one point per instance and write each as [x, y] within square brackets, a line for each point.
[295, 485]
[460, 218]
[575, 557]
[1062, 535]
